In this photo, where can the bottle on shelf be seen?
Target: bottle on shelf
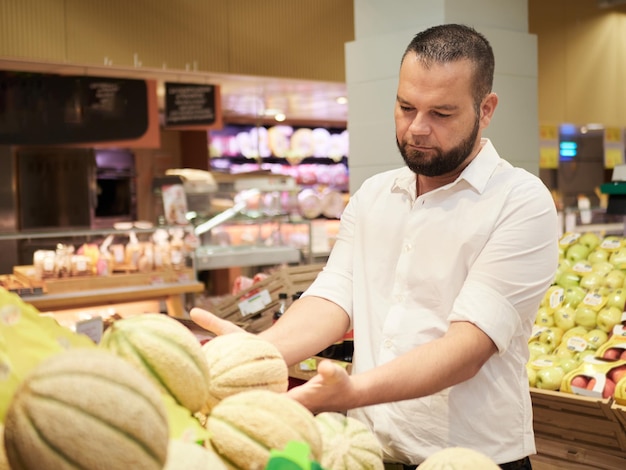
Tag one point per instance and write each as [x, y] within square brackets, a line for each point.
[282, 306]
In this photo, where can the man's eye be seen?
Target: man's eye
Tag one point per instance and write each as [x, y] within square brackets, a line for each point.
[441, 115]
[405, 108]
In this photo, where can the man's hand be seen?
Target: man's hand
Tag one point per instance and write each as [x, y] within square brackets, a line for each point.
[330, 390]
[212, 322]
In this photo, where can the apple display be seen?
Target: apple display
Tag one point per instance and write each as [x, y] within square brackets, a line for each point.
[579, 331]
[567, 279]
[602, 267]
[551, 336]
[532, 376]
[596, 338]
[544, 317]
[563, 352]
[549, 378]
[591, 281]
[568, 364]
[609, 388]
[582, 355]
[580, 381]
[590, 239]
[611, 243]
[574, 295]
[617, 373]
[585, 316]
[618, 258]
[608, 317]
[611, 354]
[616, 298]
[615, 279]
[537, 349]
[577, 252]
[564, 318]
[598, 256]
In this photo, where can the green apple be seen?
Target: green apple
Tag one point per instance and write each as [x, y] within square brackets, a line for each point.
[553, 297]
[585, 316]
[567, 279]
[551, 336]
[568, 364]
[602, 267]
[598, 256]
[573, 295]
[532, 375]
[564, 318]
[596, 338]
[611, 242]
[608, 317]
[579, 331]
[544, 317]
[577, 252]
[549, 378]
[590, 239]
[618, 258]
[591, 280]
[580, 356]
[615, 279]
[537, 349]
[616, 298]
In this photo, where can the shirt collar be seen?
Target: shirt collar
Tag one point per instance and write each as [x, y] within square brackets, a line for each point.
[477, 173]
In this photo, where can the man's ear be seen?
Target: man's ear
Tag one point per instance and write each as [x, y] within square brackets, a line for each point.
[487, 108]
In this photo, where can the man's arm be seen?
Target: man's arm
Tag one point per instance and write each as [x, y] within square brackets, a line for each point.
[424, 370]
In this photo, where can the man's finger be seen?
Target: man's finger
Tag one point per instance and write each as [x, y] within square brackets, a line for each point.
[212, 322]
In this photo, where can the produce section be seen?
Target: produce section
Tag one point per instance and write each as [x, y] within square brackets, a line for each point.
[577, 364]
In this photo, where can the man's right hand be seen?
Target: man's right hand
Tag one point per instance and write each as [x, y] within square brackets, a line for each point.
[212, 322]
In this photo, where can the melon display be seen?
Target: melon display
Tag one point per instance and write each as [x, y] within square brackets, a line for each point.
[246, 426]
[185, 455]
[87, 409]
[458, 458]
[166, 351]
[243, 361]
[347, 444]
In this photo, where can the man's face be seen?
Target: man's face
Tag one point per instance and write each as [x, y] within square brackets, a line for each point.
[437, 128]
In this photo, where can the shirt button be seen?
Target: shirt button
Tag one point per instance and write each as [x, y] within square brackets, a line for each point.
[388, 343]
[408, 247]
[399, 298]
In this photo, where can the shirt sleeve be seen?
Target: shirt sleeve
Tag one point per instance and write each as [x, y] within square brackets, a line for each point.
[507, 280]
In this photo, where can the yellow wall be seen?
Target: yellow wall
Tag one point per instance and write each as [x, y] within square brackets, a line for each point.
[282, 38]
[582, 61]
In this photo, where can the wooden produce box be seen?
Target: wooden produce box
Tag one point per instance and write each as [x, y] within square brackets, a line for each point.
[289, 279]
[576, 432]
[28, 276]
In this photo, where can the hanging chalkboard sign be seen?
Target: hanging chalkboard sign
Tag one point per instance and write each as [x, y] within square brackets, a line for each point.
[189, 104]
[47, 109]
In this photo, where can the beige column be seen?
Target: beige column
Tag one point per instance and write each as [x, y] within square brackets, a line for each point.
[383, 28]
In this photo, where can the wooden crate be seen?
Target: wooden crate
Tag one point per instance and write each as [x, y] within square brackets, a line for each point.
[27, 274]
[289, 279]
[580, 430]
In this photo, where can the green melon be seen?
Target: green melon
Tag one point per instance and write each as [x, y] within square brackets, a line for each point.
[185, 455]
[86, 409]
[347, 444]
[245, 427]
[243, 361]
[166, 351]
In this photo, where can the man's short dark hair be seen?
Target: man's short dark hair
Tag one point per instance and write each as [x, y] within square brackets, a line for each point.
[452, 42]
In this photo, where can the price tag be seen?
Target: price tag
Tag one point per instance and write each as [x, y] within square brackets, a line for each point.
[255, 303]
[93, 328]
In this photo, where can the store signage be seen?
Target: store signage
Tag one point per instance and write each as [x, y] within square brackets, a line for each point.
[48, 109]
[613, 147]
[190, 104]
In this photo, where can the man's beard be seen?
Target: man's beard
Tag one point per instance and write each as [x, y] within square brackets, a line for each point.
[437, 163]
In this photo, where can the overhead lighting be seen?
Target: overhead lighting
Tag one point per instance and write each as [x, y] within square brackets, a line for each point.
[280, 117]
[342, 100]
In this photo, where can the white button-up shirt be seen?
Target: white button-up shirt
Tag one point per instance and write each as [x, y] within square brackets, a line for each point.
[481, 249]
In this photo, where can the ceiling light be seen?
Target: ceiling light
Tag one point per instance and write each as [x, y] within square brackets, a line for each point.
[280, 117]
[342, 100]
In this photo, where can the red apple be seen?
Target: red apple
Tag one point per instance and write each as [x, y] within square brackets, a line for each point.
[623, 355]
[616, 373]
[580, 381]
[612, 354]
[609, 388]
[591, 384]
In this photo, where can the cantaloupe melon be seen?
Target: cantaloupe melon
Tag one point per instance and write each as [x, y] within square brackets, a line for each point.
[166, 351]
[185, 455]
[347, 444]
[458, 458]
[86, 409]
[246, 426]
[243, 361]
